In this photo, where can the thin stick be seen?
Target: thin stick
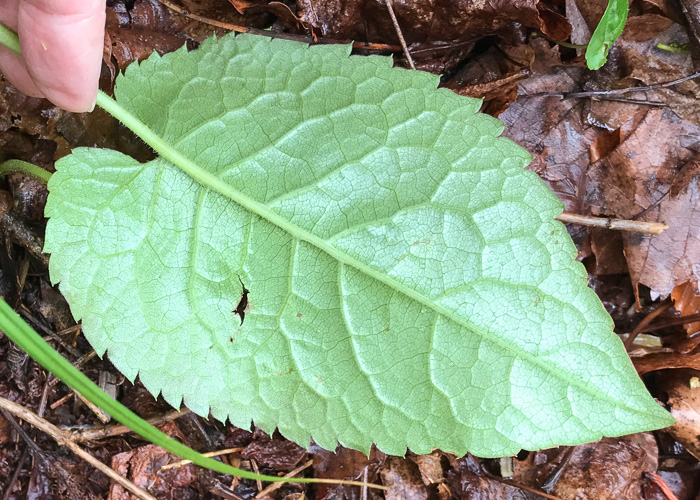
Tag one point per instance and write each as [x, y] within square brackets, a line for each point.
[63, 439]
[645, 323]
[576, 95]
[37, 452]
[116, 430]
[216, 453]
[527, 488]
[276, 34]
[365, 472]
[25, 237]
[275, 486]
[9, 486]
[390, 8]
[634, 226]
[681, 320]
[257, 471]
[65, 398]
[26, 314]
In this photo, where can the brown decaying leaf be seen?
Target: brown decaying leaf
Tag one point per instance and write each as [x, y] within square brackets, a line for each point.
[610, 469]
[691, 12]
[688, 173]
[684, 404]
[468, 480]
[607, 250]
[278, 453]
[645, 27]
[430, 467]
[142, 467]
[445, 23]
[635, 179]
[555, 131]
[150, 26]
[686, 300]
[494, 75]
[344, 464]
[403, 479]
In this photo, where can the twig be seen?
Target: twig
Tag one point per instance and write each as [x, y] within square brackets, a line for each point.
[9, 486]
[37, 452]
[636, 102]
[224, 492]
[275, 486]
[26, 314]
[682, 320]
[80, 362]
[116, 430]
[63, 439]
[568, 45]
[593, 93]
[365, 473]
[25, 237]
[527, 488]
[276, 34]
[59, 402]
[645, 323]
[390, 8]
[610, 223]
[551, 481]
[210, 454]
[254, 464]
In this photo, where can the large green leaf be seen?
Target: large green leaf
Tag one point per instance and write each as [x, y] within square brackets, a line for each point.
[409, 285]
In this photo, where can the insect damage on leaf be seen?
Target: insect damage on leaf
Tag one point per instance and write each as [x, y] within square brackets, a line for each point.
[243, 305]
[316, 174]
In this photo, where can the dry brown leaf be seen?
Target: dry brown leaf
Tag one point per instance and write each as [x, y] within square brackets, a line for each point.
[688, 173]
[142, 467]
[645, 27]
[555, 131]
[610, 469]
[447, 24]
[403, 479]
[686, 300]
[430, 467]
[633, 183]
[343, 464]
[683, 390]
[607, 250]
[278, 453]
[468, 480]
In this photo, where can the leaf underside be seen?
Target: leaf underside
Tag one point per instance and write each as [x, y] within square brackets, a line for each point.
[448, 313]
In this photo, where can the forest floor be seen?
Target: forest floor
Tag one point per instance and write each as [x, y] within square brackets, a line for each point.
[632, 154]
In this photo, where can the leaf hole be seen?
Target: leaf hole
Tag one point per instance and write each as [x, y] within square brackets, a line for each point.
[243, 304]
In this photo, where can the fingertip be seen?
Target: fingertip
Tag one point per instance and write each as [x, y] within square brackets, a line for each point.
[63, 48]
[13, 68]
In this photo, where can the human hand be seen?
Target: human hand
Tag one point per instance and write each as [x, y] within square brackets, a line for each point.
[62, 42]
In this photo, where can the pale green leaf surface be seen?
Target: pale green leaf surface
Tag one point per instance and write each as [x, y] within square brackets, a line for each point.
[419, 292]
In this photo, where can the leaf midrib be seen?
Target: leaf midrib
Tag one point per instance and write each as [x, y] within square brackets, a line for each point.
[213, 182]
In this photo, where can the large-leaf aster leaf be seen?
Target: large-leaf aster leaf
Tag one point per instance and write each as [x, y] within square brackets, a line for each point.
[414, 289]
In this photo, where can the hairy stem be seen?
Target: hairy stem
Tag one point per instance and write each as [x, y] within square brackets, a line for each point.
[26, 168]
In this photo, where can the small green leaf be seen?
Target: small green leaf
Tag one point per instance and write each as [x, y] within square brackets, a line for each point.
[609, 29]
[407, 282]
